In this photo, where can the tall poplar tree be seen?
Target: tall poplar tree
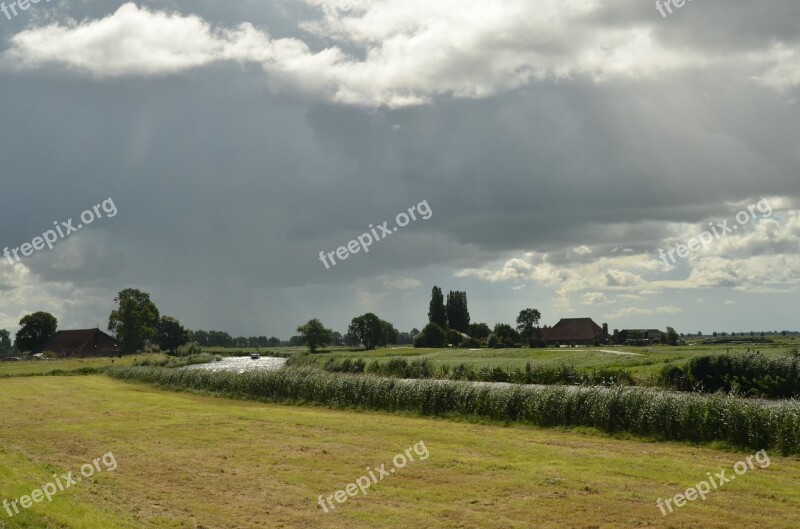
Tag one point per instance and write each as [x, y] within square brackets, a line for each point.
[457, 311]
[437, 312]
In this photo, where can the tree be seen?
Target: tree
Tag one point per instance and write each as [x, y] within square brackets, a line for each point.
[367, 329]
[135, 320]
[457, 312]
[171, 334]
[527, 322]
[34, 329]
[315, 335]
[431, 336]
[506, 335]
[479, 330]
[672, 336]
[273, 342]
[389, 334]
[5, 342]
[437, 312]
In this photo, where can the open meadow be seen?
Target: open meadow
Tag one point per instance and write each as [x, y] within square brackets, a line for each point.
[189, 461]
[643, 363]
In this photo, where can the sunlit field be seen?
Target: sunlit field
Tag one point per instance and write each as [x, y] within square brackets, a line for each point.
[189, 461]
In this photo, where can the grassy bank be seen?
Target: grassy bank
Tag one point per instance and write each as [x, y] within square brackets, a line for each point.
[646, 412]
[187, 461]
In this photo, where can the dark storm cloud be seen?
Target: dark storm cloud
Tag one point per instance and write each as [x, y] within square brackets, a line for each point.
[228, 189]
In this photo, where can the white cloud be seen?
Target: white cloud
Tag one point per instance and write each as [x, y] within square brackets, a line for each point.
[405, 53]
[137, 41]
[582, 250]
[400, 283]
[595, 298]
[783, 70]
[634, 311]
[763, 255]
[24, 292]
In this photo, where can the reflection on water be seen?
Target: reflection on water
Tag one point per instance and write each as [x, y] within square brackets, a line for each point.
[240, 364]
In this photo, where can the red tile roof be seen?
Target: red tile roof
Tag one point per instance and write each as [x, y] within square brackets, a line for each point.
[575, 329]
[82, 342]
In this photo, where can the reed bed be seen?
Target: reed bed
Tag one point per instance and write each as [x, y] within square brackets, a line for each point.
[648, 412]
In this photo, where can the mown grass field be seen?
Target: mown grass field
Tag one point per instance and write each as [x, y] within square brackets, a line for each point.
[190, 461]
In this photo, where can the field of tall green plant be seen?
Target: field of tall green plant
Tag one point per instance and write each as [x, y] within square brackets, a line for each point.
[647, 412]
[748, 374]
[425, 368]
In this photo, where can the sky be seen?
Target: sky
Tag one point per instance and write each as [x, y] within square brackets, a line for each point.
[560, 149]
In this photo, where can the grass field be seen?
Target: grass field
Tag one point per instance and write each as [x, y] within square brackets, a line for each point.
[73, 365]
[189, 461]
[641, 362]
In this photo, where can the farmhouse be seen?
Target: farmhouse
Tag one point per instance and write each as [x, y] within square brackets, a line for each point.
[577, 331]
[638, 335]
[81, 343]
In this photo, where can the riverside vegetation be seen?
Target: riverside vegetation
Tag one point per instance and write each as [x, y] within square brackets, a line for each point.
[648, 412]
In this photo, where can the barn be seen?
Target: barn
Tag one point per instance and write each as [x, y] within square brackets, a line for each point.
[577, 331]
[81, 343]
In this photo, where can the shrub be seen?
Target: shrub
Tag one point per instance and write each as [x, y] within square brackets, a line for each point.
[470, 343]
[189, 349]
[454, 337]
[749, 374]
[431, 336]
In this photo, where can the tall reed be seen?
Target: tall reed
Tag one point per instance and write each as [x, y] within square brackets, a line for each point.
[642, 411]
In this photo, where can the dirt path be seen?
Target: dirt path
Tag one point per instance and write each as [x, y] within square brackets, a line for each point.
[621, 353]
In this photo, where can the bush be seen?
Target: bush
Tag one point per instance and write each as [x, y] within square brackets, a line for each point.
[189, 349]
[749, 374]
[470, 343]
[431, 336]
[492, 342]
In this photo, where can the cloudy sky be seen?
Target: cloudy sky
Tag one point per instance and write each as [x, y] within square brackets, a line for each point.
[559, 145]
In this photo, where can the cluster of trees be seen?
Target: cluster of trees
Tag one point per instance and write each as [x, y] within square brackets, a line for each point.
[223, 339]
[449, 324]
[367, 329]
[6, 347]
[34, 329]
[137, 320]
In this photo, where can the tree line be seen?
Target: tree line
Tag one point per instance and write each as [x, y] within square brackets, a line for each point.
[449, 323]
[137, 322]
